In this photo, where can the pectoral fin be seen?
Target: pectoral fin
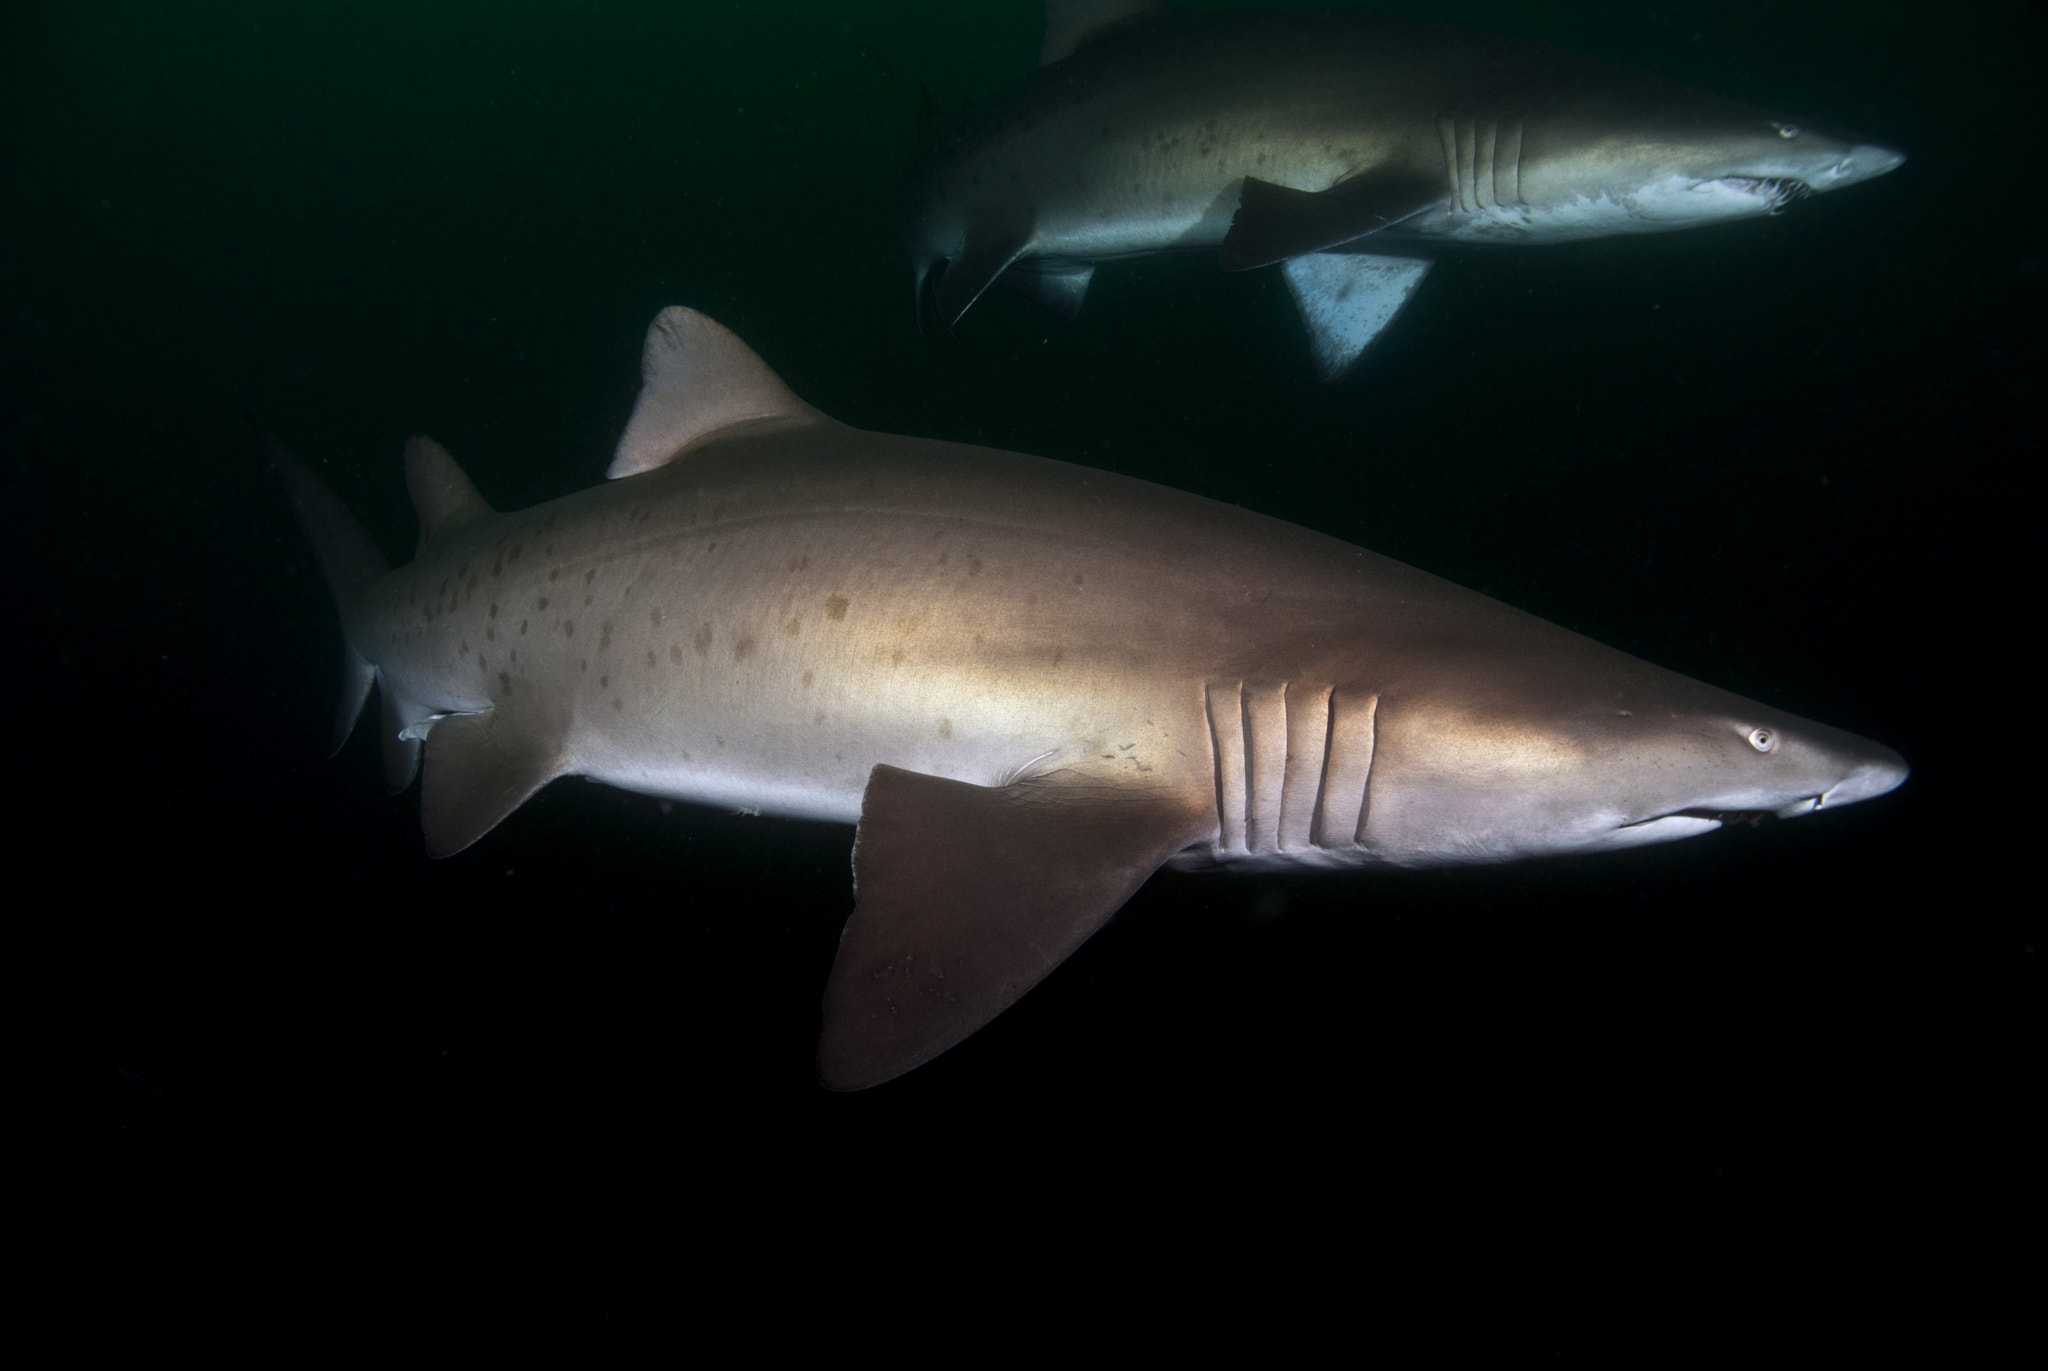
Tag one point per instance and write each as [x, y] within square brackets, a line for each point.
[1274, 223]
[966, 896]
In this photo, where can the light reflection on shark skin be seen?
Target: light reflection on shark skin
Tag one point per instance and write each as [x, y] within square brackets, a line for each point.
[1029, 684]
[1348, 149]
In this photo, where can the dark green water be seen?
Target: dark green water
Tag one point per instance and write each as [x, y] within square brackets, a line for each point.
[1793, 457]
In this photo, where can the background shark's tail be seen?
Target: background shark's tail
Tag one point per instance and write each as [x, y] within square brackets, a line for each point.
[347, 557]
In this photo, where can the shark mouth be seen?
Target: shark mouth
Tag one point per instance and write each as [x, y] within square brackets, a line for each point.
[1712, 817]
[1777, 192]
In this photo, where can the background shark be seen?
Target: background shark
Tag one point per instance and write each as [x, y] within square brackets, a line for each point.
[1031, 685]
[1347, 149]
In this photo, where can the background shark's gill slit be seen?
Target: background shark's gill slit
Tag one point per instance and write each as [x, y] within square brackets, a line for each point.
[1447, 135]
[1507, 155]
[1468, 164]
[1482, 164]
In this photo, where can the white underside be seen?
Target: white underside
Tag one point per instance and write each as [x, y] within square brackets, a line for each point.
[1676, 202]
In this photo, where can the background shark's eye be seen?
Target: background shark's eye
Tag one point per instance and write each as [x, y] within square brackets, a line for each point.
[1787, 130]
[1762, 739]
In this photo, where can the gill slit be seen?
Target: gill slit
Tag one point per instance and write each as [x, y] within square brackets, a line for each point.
[1251, 795]
[1216, 760]
[1372, 747]
[1509, 150]
[1315, 830]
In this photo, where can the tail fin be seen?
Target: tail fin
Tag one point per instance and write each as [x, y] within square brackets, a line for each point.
[347, 557]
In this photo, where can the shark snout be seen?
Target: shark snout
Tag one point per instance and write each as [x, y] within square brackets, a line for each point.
[1860, 163]
[1884, 772]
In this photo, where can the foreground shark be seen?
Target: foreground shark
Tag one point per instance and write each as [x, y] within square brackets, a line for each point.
[1347, 149]
[1029, 684]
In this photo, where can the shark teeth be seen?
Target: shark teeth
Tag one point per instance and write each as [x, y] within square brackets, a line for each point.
[1777, 191]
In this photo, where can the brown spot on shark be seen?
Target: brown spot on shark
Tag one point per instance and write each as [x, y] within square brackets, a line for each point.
[835, 607]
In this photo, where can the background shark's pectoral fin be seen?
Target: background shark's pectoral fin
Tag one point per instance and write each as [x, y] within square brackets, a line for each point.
[1274, 223]
[481, 767]
[1346, 298]
[1059, 290]
[966, 896]
[992, 249]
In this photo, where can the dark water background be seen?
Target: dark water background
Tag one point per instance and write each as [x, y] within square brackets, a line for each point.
[1794, 457]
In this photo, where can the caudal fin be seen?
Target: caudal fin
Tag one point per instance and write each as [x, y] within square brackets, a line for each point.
[347, 557]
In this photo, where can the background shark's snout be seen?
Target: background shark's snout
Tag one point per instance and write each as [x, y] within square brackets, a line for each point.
[1861, 163]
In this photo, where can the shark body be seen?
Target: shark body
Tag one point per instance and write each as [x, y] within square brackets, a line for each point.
[1029, 685]
[1350, 150]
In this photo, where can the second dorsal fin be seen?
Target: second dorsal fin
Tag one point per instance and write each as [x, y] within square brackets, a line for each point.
[695, 378]
[441, 494]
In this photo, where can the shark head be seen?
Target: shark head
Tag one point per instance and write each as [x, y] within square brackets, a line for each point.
[1681, 164]
[1519, 760]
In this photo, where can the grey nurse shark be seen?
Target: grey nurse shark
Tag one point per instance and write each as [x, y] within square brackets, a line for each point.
[1029, 684]
[1348, 149]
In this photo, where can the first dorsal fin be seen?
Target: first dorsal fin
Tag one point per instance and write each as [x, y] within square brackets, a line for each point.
[695, 378]
[441, 494]
[1069, 24]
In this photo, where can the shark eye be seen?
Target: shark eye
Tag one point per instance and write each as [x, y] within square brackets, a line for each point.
[1763, 739]
[1787, 130]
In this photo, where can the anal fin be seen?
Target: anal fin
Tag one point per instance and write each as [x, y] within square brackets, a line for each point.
[967, 896]
[1346, 298]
